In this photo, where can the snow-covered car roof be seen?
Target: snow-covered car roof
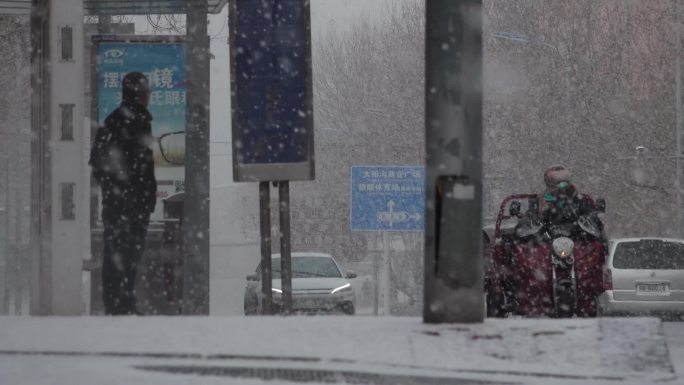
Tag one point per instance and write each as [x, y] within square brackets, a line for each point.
[618, 240]
[305, 254]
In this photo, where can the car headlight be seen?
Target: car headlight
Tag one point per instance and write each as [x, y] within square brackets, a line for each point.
[343, 288]
[563, 247]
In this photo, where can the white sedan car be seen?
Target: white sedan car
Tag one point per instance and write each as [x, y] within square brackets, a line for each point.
[644, 276]
[318, 286]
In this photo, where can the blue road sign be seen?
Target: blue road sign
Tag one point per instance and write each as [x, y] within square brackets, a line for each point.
[387, 198]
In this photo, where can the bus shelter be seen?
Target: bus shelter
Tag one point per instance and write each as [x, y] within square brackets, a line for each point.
[60, 121]
[61, 125]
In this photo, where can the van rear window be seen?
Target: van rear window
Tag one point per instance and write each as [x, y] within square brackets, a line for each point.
[651, 254]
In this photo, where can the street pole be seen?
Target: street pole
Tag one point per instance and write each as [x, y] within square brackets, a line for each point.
[454, 270]
[4, 249]
[678, 128]
[104, 27]
[376, 280]
[265, 229]
[386, 275]
[285, 246]
[196, 205]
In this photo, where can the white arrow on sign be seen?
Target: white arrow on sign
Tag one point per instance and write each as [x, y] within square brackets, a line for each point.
[396, 217]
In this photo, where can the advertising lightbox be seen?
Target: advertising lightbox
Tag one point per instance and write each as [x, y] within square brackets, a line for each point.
[163, 61]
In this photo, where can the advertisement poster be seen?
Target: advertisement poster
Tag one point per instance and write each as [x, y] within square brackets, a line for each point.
[162, 60]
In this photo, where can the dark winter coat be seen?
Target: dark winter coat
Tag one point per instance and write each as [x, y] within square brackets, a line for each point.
[123, 163]
[566, 209]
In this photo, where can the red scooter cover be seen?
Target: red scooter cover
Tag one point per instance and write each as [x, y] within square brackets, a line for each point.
[522, 272]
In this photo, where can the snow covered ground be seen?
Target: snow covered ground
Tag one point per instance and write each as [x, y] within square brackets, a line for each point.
[241, 350]
[674, 333]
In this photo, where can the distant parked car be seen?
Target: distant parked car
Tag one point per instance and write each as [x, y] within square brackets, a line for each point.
[644, 276]
[318, 286]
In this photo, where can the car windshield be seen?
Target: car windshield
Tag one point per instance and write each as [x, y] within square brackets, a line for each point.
[649, 254]
[308, 267]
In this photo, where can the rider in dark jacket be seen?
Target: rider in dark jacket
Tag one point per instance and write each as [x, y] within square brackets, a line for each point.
[123, 165]
[559, 204]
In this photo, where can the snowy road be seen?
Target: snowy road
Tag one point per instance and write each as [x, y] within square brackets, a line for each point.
[371, 350]
[674, 333]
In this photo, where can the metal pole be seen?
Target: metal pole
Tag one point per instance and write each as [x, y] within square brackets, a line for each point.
[196, 210]
[453, 140]
[104, 26]
[285, 247]
[376, 277]
[4, 249]
[386, 276]
[265, 229]
[678, 128]
[19, 255]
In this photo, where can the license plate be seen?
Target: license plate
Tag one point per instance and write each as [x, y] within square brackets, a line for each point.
[654, 289]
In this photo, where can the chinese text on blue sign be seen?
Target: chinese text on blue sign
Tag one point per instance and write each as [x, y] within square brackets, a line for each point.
[387, 198]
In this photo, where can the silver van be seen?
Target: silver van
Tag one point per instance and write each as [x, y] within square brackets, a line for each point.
[643, 276]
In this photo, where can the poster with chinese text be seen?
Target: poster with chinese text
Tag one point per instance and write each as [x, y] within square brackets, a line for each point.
[162, 59]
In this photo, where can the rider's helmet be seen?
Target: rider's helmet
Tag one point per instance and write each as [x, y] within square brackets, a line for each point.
[558, 184]
[557, 177]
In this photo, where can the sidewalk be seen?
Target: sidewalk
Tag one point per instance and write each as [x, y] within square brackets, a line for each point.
[376, 350]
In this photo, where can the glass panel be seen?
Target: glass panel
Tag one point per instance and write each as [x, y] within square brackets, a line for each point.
[308, 267]
[649, 254]
[67, 42]
[67, 212]
[67, 121]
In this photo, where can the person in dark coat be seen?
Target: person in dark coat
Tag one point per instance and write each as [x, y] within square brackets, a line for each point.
[123, 165]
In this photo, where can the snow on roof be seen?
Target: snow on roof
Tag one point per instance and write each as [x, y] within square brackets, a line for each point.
[307, 254]
[618, 240]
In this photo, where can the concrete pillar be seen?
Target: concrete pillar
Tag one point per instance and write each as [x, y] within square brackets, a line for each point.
[196, 211]
[58, 153]
[453, 140]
